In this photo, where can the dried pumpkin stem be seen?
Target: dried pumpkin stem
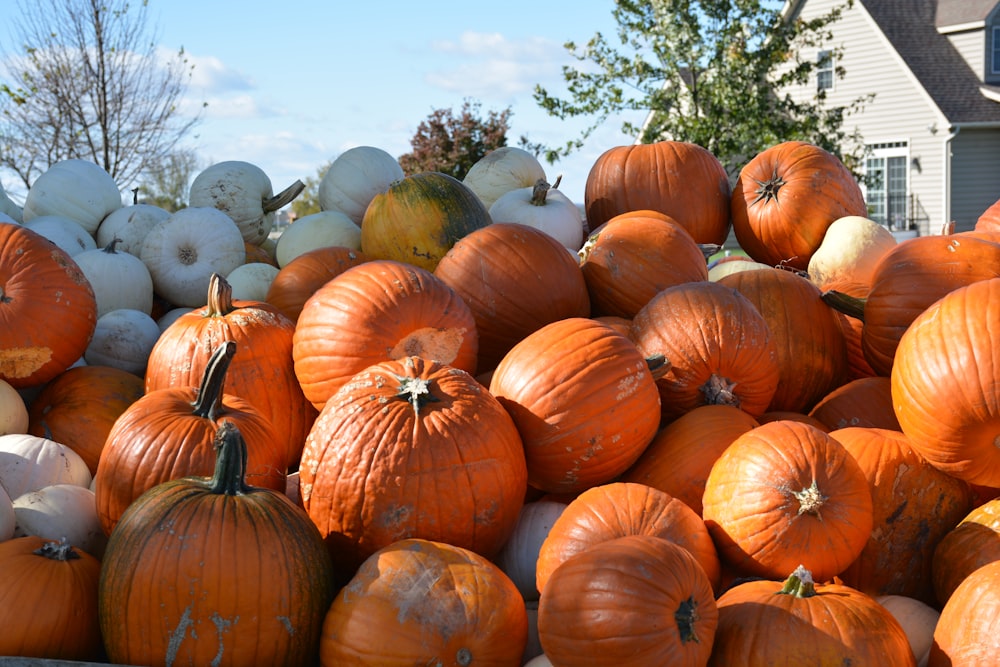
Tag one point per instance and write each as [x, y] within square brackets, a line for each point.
[851, 306]
[539, 192]
[284, 197]
[61, 550]
[799, 583]
[229, 476]
[220, 297]
[208, 403]
[686, 618]
[720, 391]
[416, 391]
[810, 499]
[768, 190]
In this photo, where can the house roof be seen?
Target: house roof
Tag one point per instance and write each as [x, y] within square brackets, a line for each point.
[911, 28]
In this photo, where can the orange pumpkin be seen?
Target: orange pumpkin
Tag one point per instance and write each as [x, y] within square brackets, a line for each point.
[785, 198]
[583, 399]
[377, 311]
[680, 179]
[786, 494]
[637, 600]
[420, 602]
[865, 402]
[617, 509]
[852, 323]
[989, 221]
[515, 280]
[40, 285]
[300, 278]
[967, 633]
[972, 543]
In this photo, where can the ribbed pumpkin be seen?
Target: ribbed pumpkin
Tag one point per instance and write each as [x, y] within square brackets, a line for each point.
[786, 197]
[300, 278]
[786, 492]
[865, 402]
[421, 602]
[681, 179]
[719, 347]
[914, 505]
[812, 351]
[209, 570]
[617, 509]
[967, 633]
[682, 453]
[48, 600]
[584, 401]
[170, 433]
[80, 405]
[635, 601]
[944, 383]
[419, 218]
[40, 284]
[989, 220]
[412, 448]
[629, 259]
[972, 543]
[798, 622]
[263, 373]
[515, 280]
[911, 277]
[852, 324]
[377, 311]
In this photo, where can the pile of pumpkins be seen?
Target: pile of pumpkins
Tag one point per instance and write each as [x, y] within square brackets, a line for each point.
[466, 423]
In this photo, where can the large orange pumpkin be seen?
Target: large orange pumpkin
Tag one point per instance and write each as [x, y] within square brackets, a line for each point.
[678, 178]
[584, 401]
[786, 197]
[967, 633]
[784, 494]
[377, 311]
[989, 220]
[972, 543]
[301, 277]
[865, 401]
[412, 448]
[48, 311]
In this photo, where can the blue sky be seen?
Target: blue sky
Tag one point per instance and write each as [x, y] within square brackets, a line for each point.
[292, 84]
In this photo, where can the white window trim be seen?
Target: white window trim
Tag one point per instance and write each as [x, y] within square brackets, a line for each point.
[887, 149]
[832, 69]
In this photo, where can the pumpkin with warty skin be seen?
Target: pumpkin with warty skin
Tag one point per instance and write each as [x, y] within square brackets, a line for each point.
[48, 600]
[785, 199]
[967, 633]
[786, 492]
[412, 448]
[800, 622]
[421, 602]
[377, 311]
[237, 575]
[40, 283]
[301, 277]
[972, 543]
[683, 180]
[170, 433]
[719, 347]
[609, 511]
[515, 280]
[636, 600]
[944, 386]
[419, 218]
[583, 399]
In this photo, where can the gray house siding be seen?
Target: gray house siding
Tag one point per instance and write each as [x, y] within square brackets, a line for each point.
[975, 177]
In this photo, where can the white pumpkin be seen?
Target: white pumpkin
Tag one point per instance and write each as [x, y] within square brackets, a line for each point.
[13, 411]
[519, 554]
[9, 207]
[317, 230]
[7, 519]
[123, 338]
[31, 462]
[918, 620]
[539, 661]
[852, 247]
[169, 317]
[354, 178]
[61, 511]
[242, 191]
[64, 232]
[183, 251]
[533, 647]
[119, 279]
[76, 189]
[733, 264]
[130, 224]
[502, 170]
[544, 208]
[251, 281]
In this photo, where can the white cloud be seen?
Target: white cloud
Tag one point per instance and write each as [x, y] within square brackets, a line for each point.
[211, 76]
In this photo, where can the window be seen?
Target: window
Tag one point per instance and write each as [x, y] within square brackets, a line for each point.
[886, 179]
[824, 70]
[995, 53]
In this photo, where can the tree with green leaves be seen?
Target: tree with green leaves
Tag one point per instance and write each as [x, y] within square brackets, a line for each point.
[88, 82]
[307, 202]
[716, 73]
[451, 143]
[168, 183]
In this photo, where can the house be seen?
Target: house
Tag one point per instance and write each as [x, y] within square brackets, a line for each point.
[932, 129]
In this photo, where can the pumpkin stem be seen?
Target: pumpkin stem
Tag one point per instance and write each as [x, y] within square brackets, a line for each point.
[284, 197]
[135, 196]
[709, 249]
[208, 404]
[220, 297]
[416, 391]
[810, 500]
[686, 617]
[852, 306]
[61, 550]
[463, 657]
[658, 366]
[799, 583]
[229, 476]
[768, 190]
[112, 248]
[719, 391]
[539, 192]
